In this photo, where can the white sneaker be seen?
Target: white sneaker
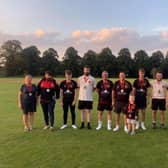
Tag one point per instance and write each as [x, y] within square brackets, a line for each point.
[51, 128]
[26, 129]
[74, 126]
[143, 126]
[133, 133]
[31, 128]
[99, 127]
[125, 129]
[137, 125]
[63, 127]
[46, 127]
[116, 128]
[109, 128]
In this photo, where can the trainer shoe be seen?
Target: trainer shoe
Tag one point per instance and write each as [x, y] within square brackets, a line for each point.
[162, 126]
[46, 127]
[30, 128]
[154, 126]
[51, 128]
[116, 128]
[132, 133]
[63, 127]
[99, 127]
[82, 125]
[109, 128]
[143, 126]
[137, 125]
[125, 129]
[26, 129]
[74, 126]
[89, 126]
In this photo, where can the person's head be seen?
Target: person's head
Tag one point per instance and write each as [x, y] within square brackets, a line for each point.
[159, 76]
[141, 73]
[28, 79]
[86, 70]
[121, 75]
[68, 74]
[48, 74]
[131, 99]
[104, 75]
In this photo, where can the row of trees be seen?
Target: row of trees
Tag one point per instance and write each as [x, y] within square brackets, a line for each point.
[15, 60]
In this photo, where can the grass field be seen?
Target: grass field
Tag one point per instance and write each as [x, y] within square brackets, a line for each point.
[73, 148]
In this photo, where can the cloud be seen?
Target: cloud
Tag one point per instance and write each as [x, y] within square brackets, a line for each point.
[83, 40]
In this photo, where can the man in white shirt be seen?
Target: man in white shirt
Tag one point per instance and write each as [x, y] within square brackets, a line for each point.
[87, 85]
[159, 99]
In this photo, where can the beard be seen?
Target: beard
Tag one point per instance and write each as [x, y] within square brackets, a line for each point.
[86, 73]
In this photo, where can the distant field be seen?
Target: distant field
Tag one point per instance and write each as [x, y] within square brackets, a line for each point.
[73, 148]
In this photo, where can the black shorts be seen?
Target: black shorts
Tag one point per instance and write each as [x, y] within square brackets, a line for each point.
[141, 103]
[102, 107]
[28, 107]
[121, 107]
[159, 104]
[82, 105]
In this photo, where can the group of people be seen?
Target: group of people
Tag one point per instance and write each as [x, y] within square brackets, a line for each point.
[122, 96]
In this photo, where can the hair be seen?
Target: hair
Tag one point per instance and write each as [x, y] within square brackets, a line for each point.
[68, 72]
[28, 75]
[159, 71]
[141, 70]
[49, 73]
[105, 72]
[86, 66]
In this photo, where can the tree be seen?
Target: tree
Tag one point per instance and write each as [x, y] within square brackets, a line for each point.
[10, 55]
[31, 56]
[49, 61]
[107, 61]
[72, 61]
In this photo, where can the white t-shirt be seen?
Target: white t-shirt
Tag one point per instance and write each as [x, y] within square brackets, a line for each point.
[159, 89]
[86, 86]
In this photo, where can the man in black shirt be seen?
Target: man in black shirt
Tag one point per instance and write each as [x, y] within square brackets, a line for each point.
[68, 93]
[104, 88]
[121, 91]
[141, 86]
[48, 90]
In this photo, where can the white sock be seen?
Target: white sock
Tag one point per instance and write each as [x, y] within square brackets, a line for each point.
[100, 123]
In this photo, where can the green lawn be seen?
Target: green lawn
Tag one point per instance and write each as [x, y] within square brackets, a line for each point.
[73, 148]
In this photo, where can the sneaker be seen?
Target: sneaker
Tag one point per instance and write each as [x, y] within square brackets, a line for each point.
[63, 127]
[26, 129]
[154, 126]
[31, 128]
[82, 125]
[74, 126]
[143, 126]
[162, 126]
[51, 128]
[137, 125]
[132, 133]
[89, 126]
[98, 127]
[116, 128]
[109, 128]
[46, 127]
[125, 129]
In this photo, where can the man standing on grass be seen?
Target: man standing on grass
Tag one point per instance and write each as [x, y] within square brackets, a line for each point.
[104, 88]
[68, 95]
[159, 99]
[121, 91]
[141, 87]
[87, 85]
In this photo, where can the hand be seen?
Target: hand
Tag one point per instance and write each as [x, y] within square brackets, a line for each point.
[19, 105]
[113, 103]
[61, 103]
[73, 103]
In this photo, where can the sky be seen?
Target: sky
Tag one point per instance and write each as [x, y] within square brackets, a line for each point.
[86, 24]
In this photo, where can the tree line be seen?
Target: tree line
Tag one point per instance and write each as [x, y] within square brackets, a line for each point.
[16, 60]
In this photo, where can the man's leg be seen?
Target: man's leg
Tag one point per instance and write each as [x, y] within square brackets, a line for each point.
[100, 113]
[88, 118]
[143, 119]
[154, 114]
[109, 120]
[162, 119]
[51, 107]
[82, 111]
[117, 120]
[45, 113]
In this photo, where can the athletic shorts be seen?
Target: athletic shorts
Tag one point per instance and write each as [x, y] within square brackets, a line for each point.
[82, 105]
[141, 103]
[121, 107]
[28, 107]
[102, 107]
[131, 121]
[159, 104]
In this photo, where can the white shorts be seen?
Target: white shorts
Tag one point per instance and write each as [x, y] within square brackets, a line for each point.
[131, 121]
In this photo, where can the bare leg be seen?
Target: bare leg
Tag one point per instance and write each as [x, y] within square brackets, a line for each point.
[25, 121]
[31, 120]
[162, 117]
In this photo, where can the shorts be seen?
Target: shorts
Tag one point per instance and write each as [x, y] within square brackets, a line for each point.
[121, 107]
[159, 104]
[141, 103]
[102, 107]
[131, 121]
[28, 107]
[82, 105]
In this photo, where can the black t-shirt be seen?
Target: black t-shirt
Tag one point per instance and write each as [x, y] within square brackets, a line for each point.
[28, 93]
[141, 88]
[122, 90]
[131, 111]
[105, 91]
[68, 89]
[48, 90]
